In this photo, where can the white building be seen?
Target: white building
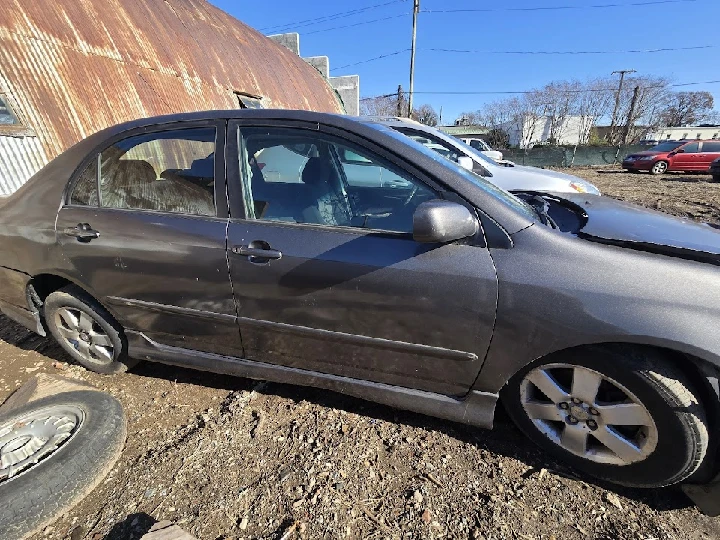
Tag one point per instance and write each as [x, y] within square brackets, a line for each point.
[533, 130]
[684, 133]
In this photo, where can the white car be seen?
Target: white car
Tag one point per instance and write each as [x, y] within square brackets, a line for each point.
[484, 148]
[506, 175]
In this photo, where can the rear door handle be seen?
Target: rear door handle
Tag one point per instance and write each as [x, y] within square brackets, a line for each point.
[258, 252]
[82, 231]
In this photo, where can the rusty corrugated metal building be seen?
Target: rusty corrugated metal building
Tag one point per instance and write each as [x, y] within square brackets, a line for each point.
[69, 68]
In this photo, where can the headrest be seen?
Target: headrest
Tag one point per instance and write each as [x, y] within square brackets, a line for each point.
[316, 172]
[128, 172]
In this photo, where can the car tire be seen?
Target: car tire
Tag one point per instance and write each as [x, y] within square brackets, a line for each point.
[83, 441]
[716, 178]
[659, 167]
[644, 408]
[86, 331]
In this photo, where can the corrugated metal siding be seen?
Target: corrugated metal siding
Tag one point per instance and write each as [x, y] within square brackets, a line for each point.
[74, 67]
[20, 158]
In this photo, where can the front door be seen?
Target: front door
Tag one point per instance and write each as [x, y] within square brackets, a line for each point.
[328, 278]
[143, 230]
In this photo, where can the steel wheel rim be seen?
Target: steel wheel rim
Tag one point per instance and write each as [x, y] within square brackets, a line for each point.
[588, 414]
[82, 332]
[660, 167]
[26, 441]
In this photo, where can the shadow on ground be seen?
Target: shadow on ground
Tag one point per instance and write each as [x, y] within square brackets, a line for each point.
[132, 527]
[504, 439]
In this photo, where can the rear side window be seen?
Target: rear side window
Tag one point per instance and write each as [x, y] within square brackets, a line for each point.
[171, 171]
[713, 147]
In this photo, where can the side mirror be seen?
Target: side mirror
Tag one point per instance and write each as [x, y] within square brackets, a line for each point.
[436, 222]
[679, 151]
[466, 163]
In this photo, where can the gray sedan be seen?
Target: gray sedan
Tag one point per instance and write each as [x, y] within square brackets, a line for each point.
[181, 240]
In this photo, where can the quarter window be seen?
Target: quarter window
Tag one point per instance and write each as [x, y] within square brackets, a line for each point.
[300, 177]
[172, 171]
[85, 192]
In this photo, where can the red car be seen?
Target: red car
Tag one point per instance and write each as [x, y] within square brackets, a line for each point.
[674, 156]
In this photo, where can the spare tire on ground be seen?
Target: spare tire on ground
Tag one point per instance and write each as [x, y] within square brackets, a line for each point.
[53, 452]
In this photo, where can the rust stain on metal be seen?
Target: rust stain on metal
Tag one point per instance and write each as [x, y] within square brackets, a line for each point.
[73, 67]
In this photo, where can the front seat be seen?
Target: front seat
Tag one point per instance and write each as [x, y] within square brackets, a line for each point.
[324, 204]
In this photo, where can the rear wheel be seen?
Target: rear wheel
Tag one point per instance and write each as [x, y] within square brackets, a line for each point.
[625, 415]
[660, 167]
[87, 331]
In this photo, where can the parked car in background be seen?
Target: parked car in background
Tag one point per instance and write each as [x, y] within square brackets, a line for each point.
[715, 170]
[686, 156]
[506, 175]
[161, 239]
[484, 148]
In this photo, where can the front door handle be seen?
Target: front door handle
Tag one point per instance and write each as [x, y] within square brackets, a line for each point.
[258, 252]
[82, 231]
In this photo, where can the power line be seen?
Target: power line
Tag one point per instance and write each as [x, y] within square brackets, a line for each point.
[327, 18]
[357, 24]
[541, 53]
[373, 59]
[633, 51]
[556, 8]
[579, 91]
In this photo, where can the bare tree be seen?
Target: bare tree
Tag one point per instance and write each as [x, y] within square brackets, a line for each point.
[686, 108]
[379, 106]
[425, 114]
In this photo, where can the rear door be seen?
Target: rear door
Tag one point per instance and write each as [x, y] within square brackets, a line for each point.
[709, 152]
[143, 229]
[327, 276]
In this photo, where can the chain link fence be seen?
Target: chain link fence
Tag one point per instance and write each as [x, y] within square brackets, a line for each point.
[562, 156]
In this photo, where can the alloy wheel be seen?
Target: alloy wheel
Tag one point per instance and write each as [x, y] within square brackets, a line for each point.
[660, 167]
[588, 414]
[26, 440]
[83, 333]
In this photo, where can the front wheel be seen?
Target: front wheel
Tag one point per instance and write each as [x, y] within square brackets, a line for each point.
[716, 178]
[625, 415]
[660, 167]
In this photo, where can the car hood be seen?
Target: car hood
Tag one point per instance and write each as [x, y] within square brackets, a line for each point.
[621, 223]
[520, 177]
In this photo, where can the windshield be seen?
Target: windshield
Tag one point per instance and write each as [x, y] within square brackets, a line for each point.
[666, 146]
[499, 193]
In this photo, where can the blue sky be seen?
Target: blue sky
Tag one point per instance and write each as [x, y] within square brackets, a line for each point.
[670, 24]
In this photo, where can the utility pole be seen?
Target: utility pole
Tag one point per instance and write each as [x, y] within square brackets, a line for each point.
[631, 114]
[613, 121]
[416, 10]
[400, 101]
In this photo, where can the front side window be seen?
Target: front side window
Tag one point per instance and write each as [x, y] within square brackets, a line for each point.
[172, 171]
[297, 176]
[691, 148]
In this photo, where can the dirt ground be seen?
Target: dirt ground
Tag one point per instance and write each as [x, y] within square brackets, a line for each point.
[229, 458]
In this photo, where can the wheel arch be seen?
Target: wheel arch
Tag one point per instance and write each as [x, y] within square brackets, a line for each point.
[41, 285]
